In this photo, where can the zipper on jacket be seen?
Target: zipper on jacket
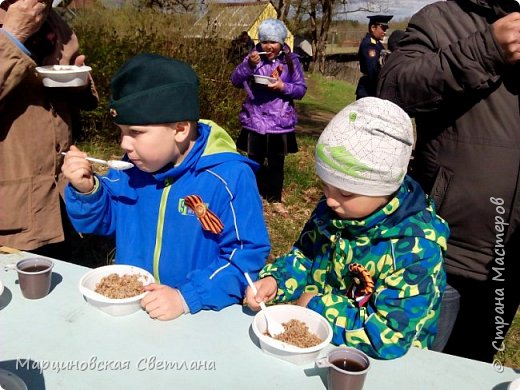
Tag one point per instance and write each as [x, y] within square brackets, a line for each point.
[159, 232]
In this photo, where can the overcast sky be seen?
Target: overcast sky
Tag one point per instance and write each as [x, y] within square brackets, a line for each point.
[399, 8]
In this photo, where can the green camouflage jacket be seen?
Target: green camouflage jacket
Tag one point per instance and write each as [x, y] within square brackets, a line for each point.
[401, 247]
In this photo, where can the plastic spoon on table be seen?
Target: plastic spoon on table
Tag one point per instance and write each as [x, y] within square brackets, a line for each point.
[273, 327]
[114, 164]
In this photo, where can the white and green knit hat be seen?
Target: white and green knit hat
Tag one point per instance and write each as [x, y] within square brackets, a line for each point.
[365, 148]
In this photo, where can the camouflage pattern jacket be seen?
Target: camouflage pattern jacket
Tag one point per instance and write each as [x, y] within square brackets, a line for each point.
[378, 281]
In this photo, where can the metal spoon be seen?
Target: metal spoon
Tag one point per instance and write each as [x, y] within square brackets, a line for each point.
[114, 164]
[274, 328]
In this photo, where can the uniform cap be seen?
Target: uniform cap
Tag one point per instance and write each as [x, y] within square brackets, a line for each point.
[379, 19]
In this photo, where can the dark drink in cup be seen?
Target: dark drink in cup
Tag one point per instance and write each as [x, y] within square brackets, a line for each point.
[347, 368]
[34, 277]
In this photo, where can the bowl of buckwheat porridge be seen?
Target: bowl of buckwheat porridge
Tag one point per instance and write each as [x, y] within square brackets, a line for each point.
[115, 289]
[306, 333]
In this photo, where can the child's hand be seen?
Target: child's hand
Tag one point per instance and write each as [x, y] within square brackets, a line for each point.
[253, 59]
[277, 85]
[162, 302]
[78, 170]
[305, 299]
[267, 288]
[80, 60]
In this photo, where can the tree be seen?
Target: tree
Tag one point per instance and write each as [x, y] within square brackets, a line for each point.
[282, 8]
[171, 6]
[318, 15]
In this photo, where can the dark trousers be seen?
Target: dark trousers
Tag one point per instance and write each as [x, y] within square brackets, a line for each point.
[270, 175]
[269, 151]
[365, 87]
[480, 313]
[450, 305]
[486, 308]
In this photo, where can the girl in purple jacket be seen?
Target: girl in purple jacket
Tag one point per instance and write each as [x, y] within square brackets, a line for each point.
[268, 116]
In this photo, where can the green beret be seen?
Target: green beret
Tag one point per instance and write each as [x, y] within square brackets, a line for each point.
[151, 89]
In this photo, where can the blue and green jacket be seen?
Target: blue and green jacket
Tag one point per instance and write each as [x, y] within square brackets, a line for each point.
[401, 246]
[156, 231]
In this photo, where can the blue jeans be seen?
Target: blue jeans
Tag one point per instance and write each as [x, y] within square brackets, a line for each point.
[450, 305]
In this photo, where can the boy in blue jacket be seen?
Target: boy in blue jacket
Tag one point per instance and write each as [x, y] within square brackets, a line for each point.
[370, 258]
[189, 210]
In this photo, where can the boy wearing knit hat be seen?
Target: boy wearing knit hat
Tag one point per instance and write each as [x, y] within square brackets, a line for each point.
[370, 259]
[184, 211]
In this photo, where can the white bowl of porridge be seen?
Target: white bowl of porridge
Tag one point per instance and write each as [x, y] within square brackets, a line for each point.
[115, 289]
[64, 75]
[303, 327]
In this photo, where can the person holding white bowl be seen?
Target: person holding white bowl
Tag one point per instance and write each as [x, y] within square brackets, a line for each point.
[37, 124]
[268, 115]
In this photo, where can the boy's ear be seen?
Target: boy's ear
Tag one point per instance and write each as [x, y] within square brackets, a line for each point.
[182, 131]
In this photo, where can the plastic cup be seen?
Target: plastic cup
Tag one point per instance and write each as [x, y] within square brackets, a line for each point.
[34, 277]
[347, 368]
[514, 385]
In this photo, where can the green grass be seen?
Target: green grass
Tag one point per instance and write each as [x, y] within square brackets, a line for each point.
[300, 194]
[101, 150]
[326, 94]
[510, 357]
[349, 48]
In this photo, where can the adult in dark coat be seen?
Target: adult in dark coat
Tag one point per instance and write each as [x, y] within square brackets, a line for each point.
[457, 71]
[368, 54]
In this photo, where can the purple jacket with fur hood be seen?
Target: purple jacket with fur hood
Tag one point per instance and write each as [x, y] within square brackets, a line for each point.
[264, 110]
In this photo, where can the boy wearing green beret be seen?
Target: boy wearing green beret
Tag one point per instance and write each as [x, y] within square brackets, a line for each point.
[189, 210]
[370, 258]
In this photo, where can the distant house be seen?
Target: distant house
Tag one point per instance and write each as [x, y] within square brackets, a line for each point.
[228, 20]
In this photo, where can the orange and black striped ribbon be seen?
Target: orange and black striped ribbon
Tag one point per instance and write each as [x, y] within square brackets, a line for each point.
[207, 218]
[277, 72]
[363, 285]
[362, 278]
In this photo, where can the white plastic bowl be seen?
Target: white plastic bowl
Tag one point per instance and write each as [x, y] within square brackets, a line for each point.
[284, 313]
[265, 80]
[64, 75]
[112, 306]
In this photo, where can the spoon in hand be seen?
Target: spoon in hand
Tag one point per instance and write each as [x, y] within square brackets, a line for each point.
[114, 164]
[274, 328]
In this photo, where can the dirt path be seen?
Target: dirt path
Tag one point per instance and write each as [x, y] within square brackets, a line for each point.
[312, 122]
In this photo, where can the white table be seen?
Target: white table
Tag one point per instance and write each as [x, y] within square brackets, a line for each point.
[80, 347]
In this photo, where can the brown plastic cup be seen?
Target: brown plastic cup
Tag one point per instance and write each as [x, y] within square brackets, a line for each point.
[34, 277]
[347, 368]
